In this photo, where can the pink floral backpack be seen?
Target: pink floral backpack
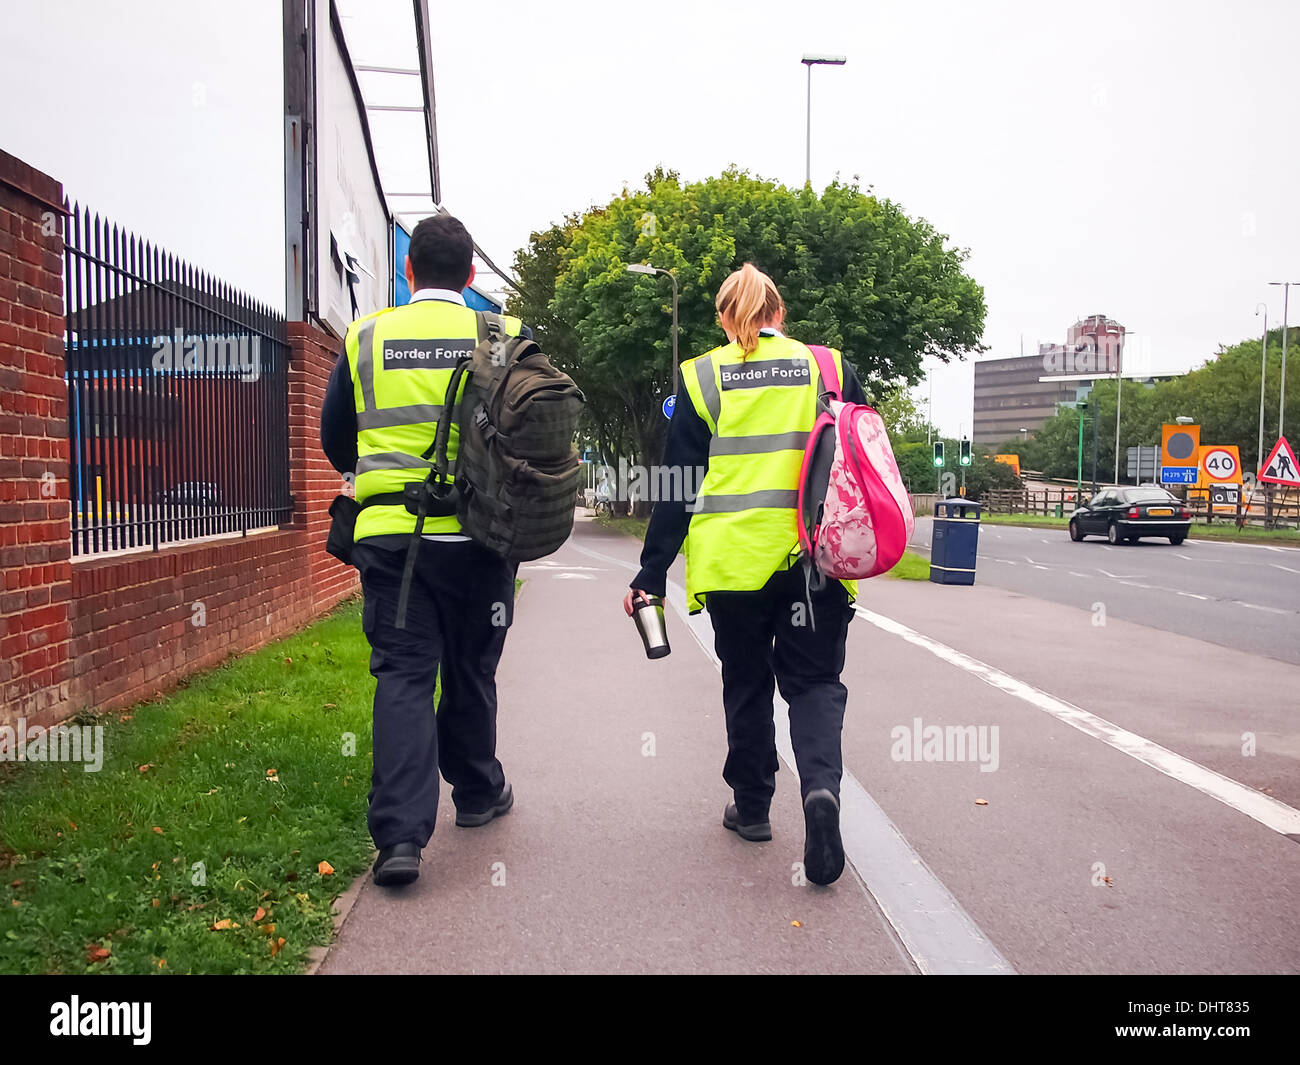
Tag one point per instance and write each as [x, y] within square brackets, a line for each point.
[855, 515]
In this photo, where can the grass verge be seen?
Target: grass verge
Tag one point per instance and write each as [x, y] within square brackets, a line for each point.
[225, 820]
[630, 526]
[911, 567]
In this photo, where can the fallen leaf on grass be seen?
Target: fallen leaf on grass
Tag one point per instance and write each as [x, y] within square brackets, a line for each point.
[259, 915]
[146, 767]
[94, 953]
[15, 902]
[325, 869]
[277, 946]
[158, 830]
[225, 925]
[156, 903]
[267, 929]
[162, 963]
[272, 774]
[72, 825]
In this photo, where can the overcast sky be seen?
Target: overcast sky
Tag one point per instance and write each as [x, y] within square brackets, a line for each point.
[1134, 158]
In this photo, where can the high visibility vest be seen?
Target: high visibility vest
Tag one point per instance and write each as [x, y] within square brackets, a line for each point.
[402, 360]
[760, 410]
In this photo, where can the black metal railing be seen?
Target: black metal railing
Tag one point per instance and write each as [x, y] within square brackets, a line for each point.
[178, 404]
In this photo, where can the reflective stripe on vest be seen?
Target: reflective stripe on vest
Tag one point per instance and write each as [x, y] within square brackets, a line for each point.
[760, 409]
[402, 360]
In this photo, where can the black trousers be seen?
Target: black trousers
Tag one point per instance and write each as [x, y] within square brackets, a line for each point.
[766, 638]
[461, 604]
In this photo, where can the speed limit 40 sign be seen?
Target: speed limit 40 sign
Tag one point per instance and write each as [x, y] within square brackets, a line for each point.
[1221, 464]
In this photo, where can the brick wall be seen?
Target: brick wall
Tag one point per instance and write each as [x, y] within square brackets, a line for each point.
[104, 633]
[34, 510]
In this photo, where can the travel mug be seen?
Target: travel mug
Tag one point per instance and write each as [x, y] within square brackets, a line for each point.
[648, 613]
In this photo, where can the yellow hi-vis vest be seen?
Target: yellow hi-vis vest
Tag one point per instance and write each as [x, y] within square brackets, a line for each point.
[402, 360]
[760, 409]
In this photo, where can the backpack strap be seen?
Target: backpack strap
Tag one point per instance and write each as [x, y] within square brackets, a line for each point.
[826, 366]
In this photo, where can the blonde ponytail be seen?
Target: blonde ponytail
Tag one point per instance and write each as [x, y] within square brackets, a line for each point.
[747, 302]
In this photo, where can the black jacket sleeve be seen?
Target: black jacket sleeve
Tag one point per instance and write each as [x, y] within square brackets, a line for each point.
[687, 449]
[338, 419]
[852, 390]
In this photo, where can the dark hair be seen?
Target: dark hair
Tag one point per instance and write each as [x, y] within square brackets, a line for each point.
[442, 253]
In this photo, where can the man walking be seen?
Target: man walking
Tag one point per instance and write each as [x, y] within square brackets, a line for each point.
[378, 421]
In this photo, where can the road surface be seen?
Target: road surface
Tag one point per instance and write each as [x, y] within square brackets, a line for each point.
[1245, 596]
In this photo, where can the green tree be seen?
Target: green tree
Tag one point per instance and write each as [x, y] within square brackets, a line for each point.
[856, 273]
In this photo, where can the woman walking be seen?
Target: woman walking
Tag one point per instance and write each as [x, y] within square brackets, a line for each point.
[743, 414]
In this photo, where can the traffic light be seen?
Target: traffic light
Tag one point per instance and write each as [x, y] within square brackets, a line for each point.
[964, 457]
[938, 454]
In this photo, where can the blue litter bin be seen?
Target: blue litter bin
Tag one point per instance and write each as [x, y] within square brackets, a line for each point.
[955, 541]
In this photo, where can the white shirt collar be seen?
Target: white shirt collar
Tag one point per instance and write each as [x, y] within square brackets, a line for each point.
[450, 295]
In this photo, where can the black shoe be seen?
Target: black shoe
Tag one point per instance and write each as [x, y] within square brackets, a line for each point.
[465, 819]
[757, 832]
[397, 865]
[823, 852]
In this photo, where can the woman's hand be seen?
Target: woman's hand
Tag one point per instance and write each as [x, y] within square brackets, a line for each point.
[629, 601]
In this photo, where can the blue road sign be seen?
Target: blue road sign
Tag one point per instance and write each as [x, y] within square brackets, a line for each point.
[669, 404]
[1178, 475]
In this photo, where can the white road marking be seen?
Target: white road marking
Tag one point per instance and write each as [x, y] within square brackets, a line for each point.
[933, 927]
[1254, 606]
[1277, 565]
[1193, 595]
[1263, 808]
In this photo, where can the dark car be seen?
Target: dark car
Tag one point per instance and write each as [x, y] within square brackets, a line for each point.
[1124, 514]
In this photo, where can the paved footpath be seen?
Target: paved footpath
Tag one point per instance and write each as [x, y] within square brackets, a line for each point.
[1114, 836]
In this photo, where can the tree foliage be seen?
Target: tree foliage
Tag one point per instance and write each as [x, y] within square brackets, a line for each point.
[856, 273]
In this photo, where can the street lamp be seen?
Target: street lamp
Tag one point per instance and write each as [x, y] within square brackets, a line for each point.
[642, 268]
[1263, 363]
[1082, 406]
[1281, 402]
[811, 61]
[1119, 388]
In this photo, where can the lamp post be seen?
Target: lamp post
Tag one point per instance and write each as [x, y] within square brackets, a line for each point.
[1281, 401]
[642, 268]
[1263, 365]
[1078, 476]
[811, 61]
[1096, 418]
[1119, 387]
